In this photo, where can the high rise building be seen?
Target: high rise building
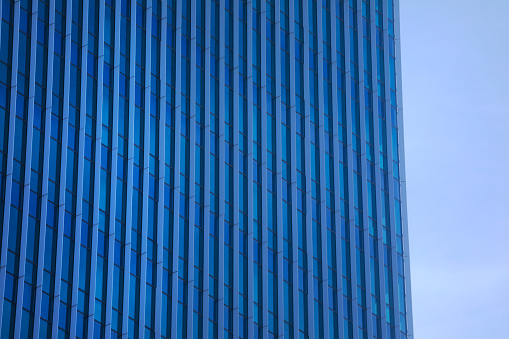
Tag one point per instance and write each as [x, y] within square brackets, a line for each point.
[202, 169]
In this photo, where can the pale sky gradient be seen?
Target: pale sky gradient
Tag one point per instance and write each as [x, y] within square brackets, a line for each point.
[455, 60]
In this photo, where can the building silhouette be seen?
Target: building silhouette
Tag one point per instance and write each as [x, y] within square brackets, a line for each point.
[202, 169]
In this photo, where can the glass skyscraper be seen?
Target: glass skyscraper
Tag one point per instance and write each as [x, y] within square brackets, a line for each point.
[202, 169]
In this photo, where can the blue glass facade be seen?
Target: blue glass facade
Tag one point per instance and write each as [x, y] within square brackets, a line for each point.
[202, 169]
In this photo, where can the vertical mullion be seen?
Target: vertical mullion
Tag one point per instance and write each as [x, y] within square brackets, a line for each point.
[335, 9]
[97, 174]
[46, 165]
[250, 87]
[390, 169]
[145, 170]
[159, 314]
[10, 153]
[307, 146]
[113, 179]
[402, 171]
[192, 173]
[279, 183]
[351, 202]
[365, 212]
[206, 188]
[221, 143]
[28, 171]
[263, 123]
[383, 287]
[378, 187]
[63, 169]
[323, 189]
[176, 184]
[130, 174]
[235, 156]
[293, 176]
[80, 183]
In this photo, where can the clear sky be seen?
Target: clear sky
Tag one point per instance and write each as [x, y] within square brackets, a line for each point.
[455, 60]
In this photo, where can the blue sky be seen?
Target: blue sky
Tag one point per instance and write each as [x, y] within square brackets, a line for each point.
[455, 63]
